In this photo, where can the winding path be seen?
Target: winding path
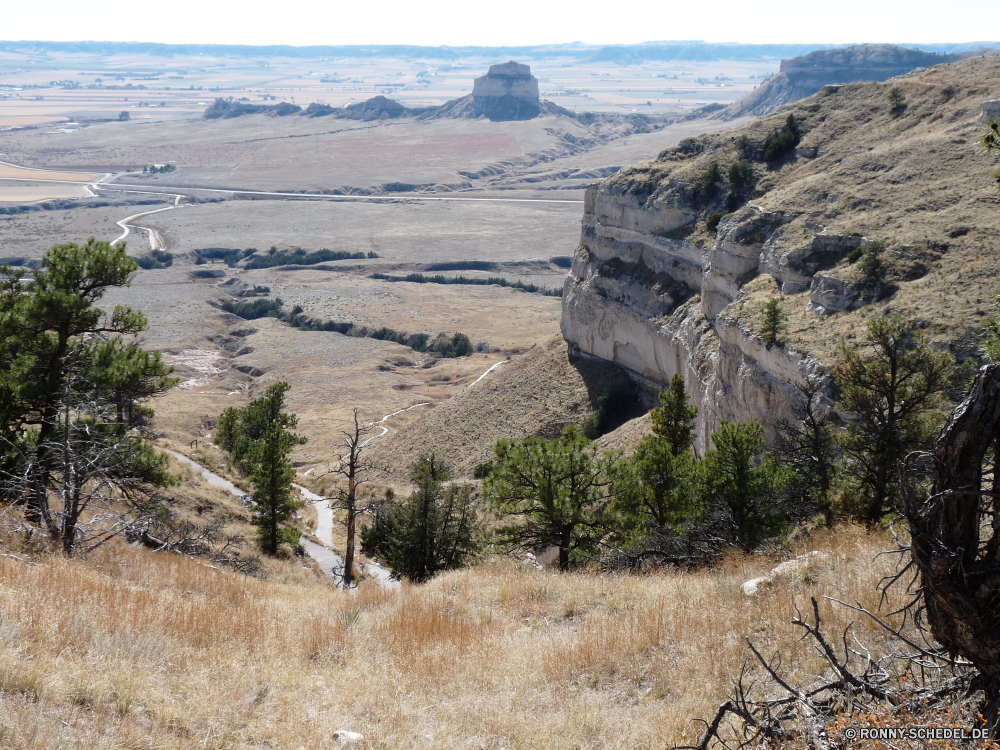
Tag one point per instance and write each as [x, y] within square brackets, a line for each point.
[385, 430]
[155, 243]
[331, 563]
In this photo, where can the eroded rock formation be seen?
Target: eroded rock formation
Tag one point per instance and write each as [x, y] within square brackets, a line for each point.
[803, 76]
[657, 305]
[507, 92]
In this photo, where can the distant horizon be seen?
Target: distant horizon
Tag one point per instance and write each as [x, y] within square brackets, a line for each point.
[7, 44]
[515, 23]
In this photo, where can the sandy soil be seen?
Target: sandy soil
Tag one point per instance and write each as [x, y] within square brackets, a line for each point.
[8, 171]
[27, 193]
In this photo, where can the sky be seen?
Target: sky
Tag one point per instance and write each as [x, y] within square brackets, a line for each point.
[500, 22]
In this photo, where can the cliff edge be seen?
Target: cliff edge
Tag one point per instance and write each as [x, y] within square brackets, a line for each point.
[653, 290]
[803, 76]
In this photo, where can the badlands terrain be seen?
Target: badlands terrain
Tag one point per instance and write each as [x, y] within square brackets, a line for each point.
[136, 649]
[412, 193]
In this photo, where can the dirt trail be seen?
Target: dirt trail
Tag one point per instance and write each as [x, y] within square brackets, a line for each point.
[156, 240]
[331, 563]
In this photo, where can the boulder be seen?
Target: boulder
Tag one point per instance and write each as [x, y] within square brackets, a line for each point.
[991, 110]
[830, 294]
[344, 738]
[796, 569]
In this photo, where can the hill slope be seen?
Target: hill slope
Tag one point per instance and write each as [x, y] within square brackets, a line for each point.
[539, 393]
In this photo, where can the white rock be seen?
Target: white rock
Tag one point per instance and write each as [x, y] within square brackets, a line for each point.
[633, 320]
[794, 568]
[344, 738]
[991, 110]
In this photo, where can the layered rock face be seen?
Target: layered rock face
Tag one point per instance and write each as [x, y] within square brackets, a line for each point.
[657, 306]
[507, 92]
[803, 76]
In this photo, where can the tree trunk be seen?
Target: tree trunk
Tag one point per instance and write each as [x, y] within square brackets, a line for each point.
[349, 553]
[564, 544]
[960, 584]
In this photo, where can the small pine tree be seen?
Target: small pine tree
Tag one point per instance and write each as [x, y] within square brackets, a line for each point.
[709, 180]
[259, 442]
[673, 419]
[436, 529]
[774, 322]
[741, 173]
[747, 487]
[897, 100]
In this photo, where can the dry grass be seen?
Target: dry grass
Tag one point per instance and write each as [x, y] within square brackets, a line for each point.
[135, 649]
[537, 393]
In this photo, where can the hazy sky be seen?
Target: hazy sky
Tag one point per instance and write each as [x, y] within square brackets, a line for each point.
[499, 22]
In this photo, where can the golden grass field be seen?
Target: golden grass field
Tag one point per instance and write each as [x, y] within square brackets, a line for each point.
[134, 649]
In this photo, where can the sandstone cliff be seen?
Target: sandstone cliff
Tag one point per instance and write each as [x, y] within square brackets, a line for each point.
[652, 290]
[800, 77]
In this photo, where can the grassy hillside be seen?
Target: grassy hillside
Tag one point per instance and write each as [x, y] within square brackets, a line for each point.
[916, 179]
[133, 649]
[538, 393]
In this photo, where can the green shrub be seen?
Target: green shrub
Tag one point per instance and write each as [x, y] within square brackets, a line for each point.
[419, 278]
[855, 254]
[871, 264]
[782, 142]
[712, 224]
[156, 259]
[741, 174]
[743, 147]
[709, 181]
[300, 257]
[457, 345]
[897, 100]
[436, 529]
[252, 309]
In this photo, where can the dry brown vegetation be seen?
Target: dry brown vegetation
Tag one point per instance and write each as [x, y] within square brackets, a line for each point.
[136, 649]
[537, 393]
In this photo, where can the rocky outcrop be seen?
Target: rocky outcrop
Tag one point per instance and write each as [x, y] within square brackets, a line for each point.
[226, 109]
[506, 92]
[656, 305]
[991, 111]
[803, 76]
[376, 108]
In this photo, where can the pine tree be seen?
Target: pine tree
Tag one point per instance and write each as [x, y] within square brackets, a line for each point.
[73, 430]
[890, 385]
[808, 446]
[550, 490]
[774, 322]
[260, 440]
[673, 419]
[747, 487]
[897, 100]
[655, 492]
[435, 529]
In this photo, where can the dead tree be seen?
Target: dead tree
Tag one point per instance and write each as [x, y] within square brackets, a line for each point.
[764, 706]
[955, 535]
[354, 469]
